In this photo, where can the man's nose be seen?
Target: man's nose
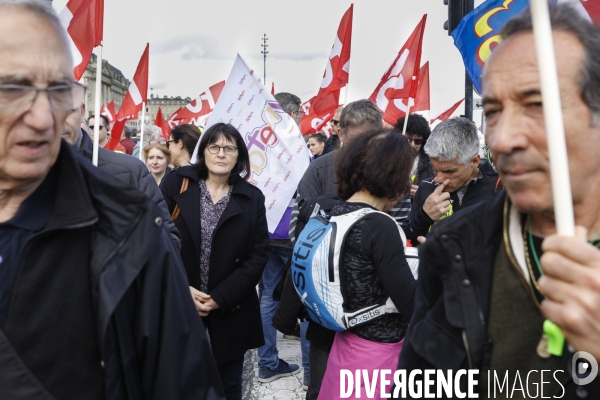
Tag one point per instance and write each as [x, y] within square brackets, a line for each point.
[40, 116]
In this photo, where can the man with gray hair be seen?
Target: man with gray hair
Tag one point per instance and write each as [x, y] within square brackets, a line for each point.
[499, 291]
[461, 178]
[94, 300]
[290, 103]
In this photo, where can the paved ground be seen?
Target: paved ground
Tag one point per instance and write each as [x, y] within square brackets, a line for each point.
[288, 388]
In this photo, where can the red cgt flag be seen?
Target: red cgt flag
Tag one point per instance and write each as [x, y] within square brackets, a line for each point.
[109, 111]
[134, 99]
[84, 21]
[319, 109]
[448, 113]
[400, 82]
[197, 108]
[160, 122]
[422, 98]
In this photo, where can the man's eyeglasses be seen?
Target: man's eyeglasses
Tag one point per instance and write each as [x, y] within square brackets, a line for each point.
[158, 142]
[215, 149]
[300, 111]
[335, 121]
[20, 98]
[416, 141]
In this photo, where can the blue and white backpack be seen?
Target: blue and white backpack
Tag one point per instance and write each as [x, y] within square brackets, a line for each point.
[316, 271]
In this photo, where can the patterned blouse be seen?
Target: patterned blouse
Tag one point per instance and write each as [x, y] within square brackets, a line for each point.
[209, 217]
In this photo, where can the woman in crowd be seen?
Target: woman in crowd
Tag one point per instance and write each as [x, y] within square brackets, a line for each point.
[158, 159]
[221, 218]
[316, 144]
[182, 143]
[372, 171]
[417, 132]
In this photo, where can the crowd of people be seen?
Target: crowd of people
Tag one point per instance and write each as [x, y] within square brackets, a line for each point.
[152, 281]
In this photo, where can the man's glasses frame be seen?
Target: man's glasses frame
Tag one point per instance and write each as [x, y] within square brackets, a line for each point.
[20, 98]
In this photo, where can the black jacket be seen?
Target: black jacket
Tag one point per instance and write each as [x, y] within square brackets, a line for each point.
[418, 222]
[133, 172]
[151, 340]
[453, 294]
[237, 260]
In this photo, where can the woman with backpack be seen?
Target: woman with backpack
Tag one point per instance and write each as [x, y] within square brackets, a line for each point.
[373, 174]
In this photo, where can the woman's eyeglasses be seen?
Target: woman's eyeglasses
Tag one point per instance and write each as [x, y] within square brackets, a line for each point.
[215, 149]
[158, 142]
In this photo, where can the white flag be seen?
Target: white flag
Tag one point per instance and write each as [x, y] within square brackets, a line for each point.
[278, 153]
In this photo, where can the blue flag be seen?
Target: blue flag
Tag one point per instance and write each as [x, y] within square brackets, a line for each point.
[479, 32]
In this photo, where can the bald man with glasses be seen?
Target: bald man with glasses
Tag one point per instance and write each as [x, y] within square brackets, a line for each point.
[94, 302]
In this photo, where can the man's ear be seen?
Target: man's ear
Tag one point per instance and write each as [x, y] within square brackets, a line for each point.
[82, 112]
[475, 161]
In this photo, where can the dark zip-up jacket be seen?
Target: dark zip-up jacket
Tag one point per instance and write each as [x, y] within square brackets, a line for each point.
[151, 340]
[418, 222]
[238, 255]
[448, 329]
[133, 172]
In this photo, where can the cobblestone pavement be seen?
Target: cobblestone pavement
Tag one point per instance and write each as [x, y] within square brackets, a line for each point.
[287, 388]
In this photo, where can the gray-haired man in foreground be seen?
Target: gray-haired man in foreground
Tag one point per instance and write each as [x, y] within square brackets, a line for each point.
[94, 301]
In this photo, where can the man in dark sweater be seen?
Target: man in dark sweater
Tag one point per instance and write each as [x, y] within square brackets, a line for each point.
[487, 298]
[461, 178]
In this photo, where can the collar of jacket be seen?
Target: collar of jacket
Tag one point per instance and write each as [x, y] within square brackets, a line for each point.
[237, 188]
[86, 196]
[461, 251]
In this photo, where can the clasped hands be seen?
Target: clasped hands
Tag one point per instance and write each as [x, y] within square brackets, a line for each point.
[203, 302]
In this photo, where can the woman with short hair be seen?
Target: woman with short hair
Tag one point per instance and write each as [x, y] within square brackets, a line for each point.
[373, 174]
[224, 243]
[182, 142]
[316, 144]
[158, 159]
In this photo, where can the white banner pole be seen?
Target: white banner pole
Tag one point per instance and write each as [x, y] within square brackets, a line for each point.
[97, 118]
[141, 155]
[557, 149]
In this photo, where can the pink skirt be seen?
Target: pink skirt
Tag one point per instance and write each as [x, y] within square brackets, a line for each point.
[351, 353]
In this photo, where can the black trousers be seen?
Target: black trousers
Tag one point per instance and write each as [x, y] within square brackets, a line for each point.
[317, 356]
[231, 378]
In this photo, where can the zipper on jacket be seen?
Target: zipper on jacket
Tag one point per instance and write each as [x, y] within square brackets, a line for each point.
[466, 343]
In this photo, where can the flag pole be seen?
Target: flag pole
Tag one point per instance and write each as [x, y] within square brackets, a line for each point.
[97, 106]
[406, 116]
[141, 155]
[557, 148]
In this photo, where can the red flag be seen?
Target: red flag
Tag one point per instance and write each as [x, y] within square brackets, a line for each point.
[593, 10]
[400, 82]
[197, 108]
[422, 97]
[273, 88]
[133, 102]
[160, 122]
[318, 114]
[84, 21]
[446, 114]
[109, 111]
[322, 107]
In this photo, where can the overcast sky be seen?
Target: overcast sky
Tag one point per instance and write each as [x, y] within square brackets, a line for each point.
[193, 43]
